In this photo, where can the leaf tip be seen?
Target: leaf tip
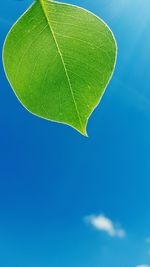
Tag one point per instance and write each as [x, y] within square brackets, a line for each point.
[83, 132]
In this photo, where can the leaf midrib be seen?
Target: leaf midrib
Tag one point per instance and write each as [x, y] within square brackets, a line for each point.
[62, 59]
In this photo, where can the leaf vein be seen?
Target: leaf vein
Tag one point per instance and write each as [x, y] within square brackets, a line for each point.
[62, 59]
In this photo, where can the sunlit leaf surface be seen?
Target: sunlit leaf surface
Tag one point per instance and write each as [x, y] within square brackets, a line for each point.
[59, 59]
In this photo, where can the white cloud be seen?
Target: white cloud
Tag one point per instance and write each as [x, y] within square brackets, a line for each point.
[143, 265]
[147, 240]
[102, 223]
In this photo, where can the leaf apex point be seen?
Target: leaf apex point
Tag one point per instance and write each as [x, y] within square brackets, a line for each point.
[84, 133]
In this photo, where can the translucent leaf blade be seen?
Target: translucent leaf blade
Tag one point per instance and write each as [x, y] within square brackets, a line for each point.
[59, 59]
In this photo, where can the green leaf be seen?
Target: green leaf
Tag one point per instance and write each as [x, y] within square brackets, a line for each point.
[59, 59]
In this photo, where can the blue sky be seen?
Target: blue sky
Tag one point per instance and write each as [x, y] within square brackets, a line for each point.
[67, 200]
